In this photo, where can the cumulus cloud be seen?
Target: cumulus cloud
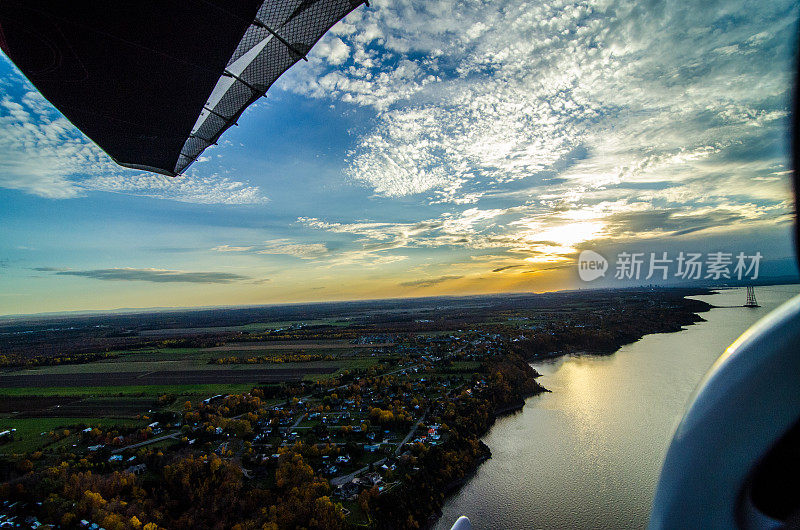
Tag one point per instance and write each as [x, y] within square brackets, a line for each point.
[151, 275]
[333, 50]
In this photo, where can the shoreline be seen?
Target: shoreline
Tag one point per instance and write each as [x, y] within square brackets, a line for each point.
[519, 404]
[474, 370]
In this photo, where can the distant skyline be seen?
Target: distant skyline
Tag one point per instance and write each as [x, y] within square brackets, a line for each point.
[434, 148]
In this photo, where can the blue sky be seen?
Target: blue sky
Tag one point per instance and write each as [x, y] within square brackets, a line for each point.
[423, 147]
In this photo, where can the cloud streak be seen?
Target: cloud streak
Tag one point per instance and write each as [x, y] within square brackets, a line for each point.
[151, 275]
[430, 282]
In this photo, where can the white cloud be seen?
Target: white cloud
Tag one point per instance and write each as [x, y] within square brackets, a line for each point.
[333, 50]
[298, 250]
[41, 153]
[191, 188]
[229, 248]
[595, 93]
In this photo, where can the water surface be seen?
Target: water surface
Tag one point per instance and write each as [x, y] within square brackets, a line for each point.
[588, 454]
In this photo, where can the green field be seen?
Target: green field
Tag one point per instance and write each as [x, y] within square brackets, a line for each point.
[28, 436]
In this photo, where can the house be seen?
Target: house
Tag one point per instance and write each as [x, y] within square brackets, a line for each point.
[213, 398]
[137, 469]
[375, 478]
[348, 491]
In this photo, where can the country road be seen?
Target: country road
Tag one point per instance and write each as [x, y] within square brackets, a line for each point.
[147, 442]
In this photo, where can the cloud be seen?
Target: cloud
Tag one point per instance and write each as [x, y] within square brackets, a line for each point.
[333, 50]
[370, 255]
[553, 268]
[298, 250]
[191, 187]
[279, 247]
[42, 154]
[229, 248]
[567, 102]
[429, 282]
[506, 267]
[151, 275]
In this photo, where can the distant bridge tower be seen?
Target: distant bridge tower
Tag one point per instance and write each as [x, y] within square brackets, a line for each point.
[751, 297]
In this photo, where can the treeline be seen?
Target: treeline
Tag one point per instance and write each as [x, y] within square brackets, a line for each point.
[272, 359]
[17, 360]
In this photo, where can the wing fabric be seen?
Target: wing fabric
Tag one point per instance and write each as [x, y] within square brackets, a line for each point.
[154, 83]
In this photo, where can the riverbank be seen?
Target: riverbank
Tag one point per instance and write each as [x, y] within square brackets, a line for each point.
[665, 312]
[590, 451]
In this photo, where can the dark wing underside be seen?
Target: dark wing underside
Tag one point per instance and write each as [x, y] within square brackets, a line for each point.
[155, 82]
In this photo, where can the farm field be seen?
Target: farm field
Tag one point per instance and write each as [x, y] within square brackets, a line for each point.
[177, 366]
[127, 384]
[186, 377]
[125, 387]
[338, 345]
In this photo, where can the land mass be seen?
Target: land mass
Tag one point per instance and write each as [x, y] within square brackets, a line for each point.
[361, 414]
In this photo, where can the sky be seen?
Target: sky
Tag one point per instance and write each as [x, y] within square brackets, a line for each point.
[444, 147]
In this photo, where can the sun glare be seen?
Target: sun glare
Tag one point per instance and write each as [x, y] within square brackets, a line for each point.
[568, 235]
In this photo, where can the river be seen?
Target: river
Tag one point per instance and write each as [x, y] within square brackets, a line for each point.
[588, 454]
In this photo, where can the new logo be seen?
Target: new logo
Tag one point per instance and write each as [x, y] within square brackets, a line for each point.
[591, 265]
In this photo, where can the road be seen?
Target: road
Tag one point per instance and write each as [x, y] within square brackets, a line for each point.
[411, 432]
[147, 442]
[344, 479]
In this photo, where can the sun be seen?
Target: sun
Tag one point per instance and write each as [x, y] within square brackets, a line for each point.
[568, 235]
